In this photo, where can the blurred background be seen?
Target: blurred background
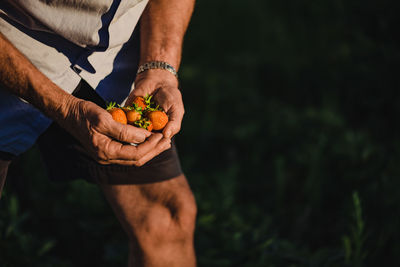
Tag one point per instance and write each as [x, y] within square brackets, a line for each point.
[290, 142]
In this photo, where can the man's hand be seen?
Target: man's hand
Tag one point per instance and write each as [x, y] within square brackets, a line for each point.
[164, 87]
[162, 27]
[106, 140]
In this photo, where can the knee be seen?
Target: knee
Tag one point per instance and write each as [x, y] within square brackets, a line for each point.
[167, 222]
[183, 213]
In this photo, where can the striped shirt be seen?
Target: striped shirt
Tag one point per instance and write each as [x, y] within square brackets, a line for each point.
[68, 40]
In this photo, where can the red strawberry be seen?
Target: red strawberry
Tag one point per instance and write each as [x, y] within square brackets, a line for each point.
[132, 114]
[117, 113]
[149, 126]
[140, 102]
[158, 118]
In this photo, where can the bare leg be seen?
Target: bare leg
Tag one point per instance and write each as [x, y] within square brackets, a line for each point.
[3, 173]
[159, 219]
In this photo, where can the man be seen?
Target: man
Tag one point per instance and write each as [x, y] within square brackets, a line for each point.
[50, 49]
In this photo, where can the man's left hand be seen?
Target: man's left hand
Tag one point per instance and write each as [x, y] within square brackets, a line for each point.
[163, 85]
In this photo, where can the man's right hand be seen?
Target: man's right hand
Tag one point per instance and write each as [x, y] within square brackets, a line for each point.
[106, 140]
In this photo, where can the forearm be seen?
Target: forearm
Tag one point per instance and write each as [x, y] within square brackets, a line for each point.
[163, 25]
[20, 77]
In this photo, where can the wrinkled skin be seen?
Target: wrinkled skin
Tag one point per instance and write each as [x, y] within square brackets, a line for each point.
[164, 87]
[107, 141]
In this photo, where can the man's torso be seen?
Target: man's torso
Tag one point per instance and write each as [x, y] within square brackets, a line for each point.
[68, 41]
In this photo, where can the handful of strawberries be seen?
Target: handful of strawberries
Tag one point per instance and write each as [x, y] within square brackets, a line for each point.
[143, 113]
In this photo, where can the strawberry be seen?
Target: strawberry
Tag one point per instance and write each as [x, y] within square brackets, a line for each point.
[144, 113]
[140, 102]
[117, 113]
[133, 113]
[132, 116]
[144, 123]
[158, 118]
[149, 126]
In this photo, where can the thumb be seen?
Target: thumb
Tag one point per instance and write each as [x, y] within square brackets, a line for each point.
[126, 133]
[174, 124]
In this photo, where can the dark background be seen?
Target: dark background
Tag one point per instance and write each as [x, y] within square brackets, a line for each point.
[290, 143]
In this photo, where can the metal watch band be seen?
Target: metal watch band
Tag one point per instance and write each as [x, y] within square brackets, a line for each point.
[157, 65]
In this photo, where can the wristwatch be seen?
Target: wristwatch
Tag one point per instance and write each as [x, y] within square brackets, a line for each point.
[157, 65]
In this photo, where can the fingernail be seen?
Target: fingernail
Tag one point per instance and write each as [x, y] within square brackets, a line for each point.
[141, 139]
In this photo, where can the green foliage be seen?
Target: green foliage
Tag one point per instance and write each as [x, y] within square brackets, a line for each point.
[353, 244]
[56, 224]
[15, 241]
[111, 105]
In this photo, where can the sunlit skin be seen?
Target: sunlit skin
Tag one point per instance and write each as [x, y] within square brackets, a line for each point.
[158, 218]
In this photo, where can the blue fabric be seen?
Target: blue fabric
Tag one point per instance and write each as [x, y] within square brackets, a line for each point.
[117, 85]
[20, 124]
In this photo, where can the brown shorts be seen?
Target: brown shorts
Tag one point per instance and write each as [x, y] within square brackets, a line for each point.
[64, 161]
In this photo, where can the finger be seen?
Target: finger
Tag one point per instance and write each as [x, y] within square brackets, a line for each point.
[165, 145]
[140, 90]
[118, 151]
[144, 159]
[174, 123]
[135, 93]
[126, 133]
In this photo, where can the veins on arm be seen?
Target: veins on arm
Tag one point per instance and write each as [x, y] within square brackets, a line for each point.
[163, 26]
[21, 78]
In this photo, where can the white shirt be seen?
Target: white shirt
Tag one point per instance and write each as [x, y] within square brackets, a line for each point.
[68, 40]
